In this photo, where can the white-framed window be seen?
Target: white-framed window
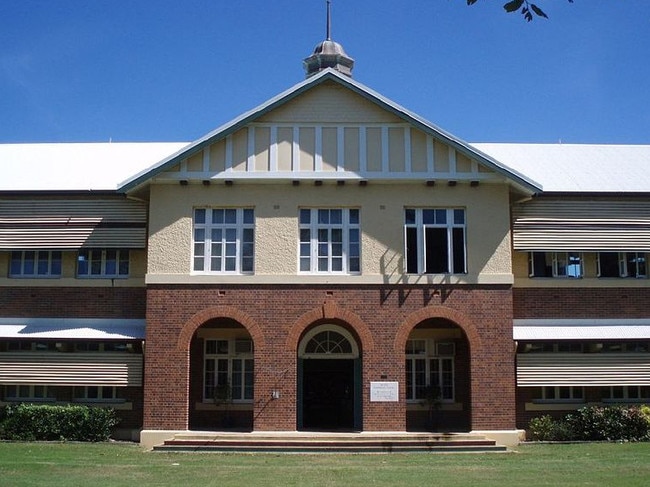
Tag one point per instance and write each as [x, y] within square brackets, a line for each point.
[96, 394]
[27, 346]
[555, 264]
[330, 241]
[228, 372]
[35, 263]
[103, 263]
[25, 392]
[622, 264]
[435, 241]
[626, 393]
[426, 369]
[562, 394]
[224, 240]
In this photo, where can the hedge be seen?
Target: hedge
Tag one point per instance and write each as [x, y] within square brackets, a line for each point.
[594, 423]
[31, 422]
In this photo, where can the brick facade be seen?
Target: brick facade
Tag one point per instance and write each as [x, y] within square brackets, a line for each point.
[380, 317]
[577, 303]
[72, 302]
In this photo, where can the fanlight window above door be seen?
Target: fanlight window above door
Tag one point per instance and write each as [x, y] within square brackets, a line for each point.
[329, 343]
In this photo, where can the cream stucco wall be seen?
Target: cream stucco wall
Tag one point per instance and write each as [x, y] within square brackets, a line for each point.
[276, 229]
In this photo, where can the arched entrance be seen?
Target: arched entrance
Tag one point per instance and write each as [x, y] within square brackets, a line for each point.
[329, 380]
[221, 377]
[437, 377]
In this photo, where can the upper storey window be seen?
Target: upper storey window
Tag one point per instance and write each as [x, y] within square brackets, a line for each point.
[622, 264]
[330, 241]
[103, 263]
[35, 263]
[223, 240]
[555, 264]
[435, 241]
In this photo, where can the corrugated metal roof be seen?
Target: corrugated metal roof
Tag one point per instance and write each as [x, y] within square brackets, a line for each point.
[72, 328]
[577, 167]
[614, 329]
[77, 167]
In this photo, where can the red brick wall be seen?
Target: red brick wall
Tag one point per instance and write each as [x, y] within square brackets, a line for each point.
[277, 316]
[72, 302]
[581, 302]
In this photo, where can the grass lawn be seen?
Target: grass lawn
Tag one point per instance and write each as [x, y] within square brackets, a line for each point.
[109, 464]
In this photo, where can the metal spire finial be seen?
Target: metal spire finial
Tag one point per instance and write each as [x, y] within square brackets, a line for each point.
[329, 22]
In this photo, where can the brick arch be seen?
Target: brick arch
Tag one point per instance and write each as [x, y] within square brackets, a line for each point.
[330, 311]
[231, 312]
[417, 317]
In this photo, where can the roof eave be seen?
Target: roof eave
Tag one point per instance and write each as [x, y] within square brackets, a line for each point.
[521, 181]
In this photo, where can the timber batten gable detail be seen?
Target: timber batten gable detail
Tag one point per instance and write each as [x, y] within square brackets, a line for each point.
[377, 151]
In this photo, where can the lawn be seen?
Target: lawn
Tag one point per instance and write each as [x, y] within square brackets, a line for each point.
[112, 464]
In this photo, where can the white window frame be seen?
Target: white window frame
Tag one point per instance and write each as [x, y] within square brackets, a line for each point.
[625, 394]
[236, 242]
[560, 264]
[94, 257]
[421, 352]
[36, 264]
[318, 255]
[443, 218]
[236, 355]
[572, 394]
[624, 270]
[96, 394]
[35, 393]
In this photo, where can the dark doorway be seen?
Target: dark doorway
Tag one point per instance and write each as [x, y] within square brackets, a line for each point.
[328, 393]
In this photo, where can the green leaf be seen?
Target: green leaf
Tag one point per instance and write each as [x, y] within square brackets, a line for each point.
[513, 6]
[538, 11]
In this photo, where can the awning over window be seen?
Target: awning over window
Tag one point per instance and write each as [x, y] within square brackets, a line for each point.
[583, 369]
[72, 223]
[72, 328]
[548, 224]
[71, 369]
[582, 329]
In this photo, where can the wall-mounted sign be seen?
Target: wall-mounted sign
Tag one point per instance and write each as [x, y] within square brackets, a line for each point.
[384, 392]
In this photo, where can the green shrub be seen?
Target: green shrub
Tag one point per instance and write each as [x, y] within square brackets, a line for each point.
[545, 428]
[29, 422]
[594, 423]
[614, 423]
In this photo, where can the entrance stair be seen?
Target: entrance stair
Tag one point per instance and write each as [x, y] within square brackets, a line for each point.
[308, 442]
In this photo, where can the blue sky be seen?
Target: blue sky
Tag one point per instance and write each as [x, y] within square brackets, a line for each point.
[170, 70]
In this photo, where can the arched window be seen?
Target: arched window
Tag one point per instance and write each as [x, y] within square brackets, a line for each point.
[328, 341]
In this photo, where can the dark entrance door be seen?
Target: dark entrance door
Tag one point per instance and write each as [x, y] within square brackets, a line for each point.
[328, 394]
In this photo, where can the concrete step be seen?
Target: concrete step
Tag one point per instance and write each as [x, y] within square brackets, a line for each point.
[329, 443]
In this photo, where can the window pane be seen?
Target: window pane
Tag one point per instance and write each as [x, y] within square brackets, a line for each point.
[230, 216]
[305, 216]
[436, 251]
[323, 216]
[458, 250]
[608, 264]
[16, 261]
[29, 265]
[199, 216]
[459, 217]
[409, 216]
[217, 215]
[248, 216]
[56, 263]
[411, 250]
[354, 217]
[428, 217]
